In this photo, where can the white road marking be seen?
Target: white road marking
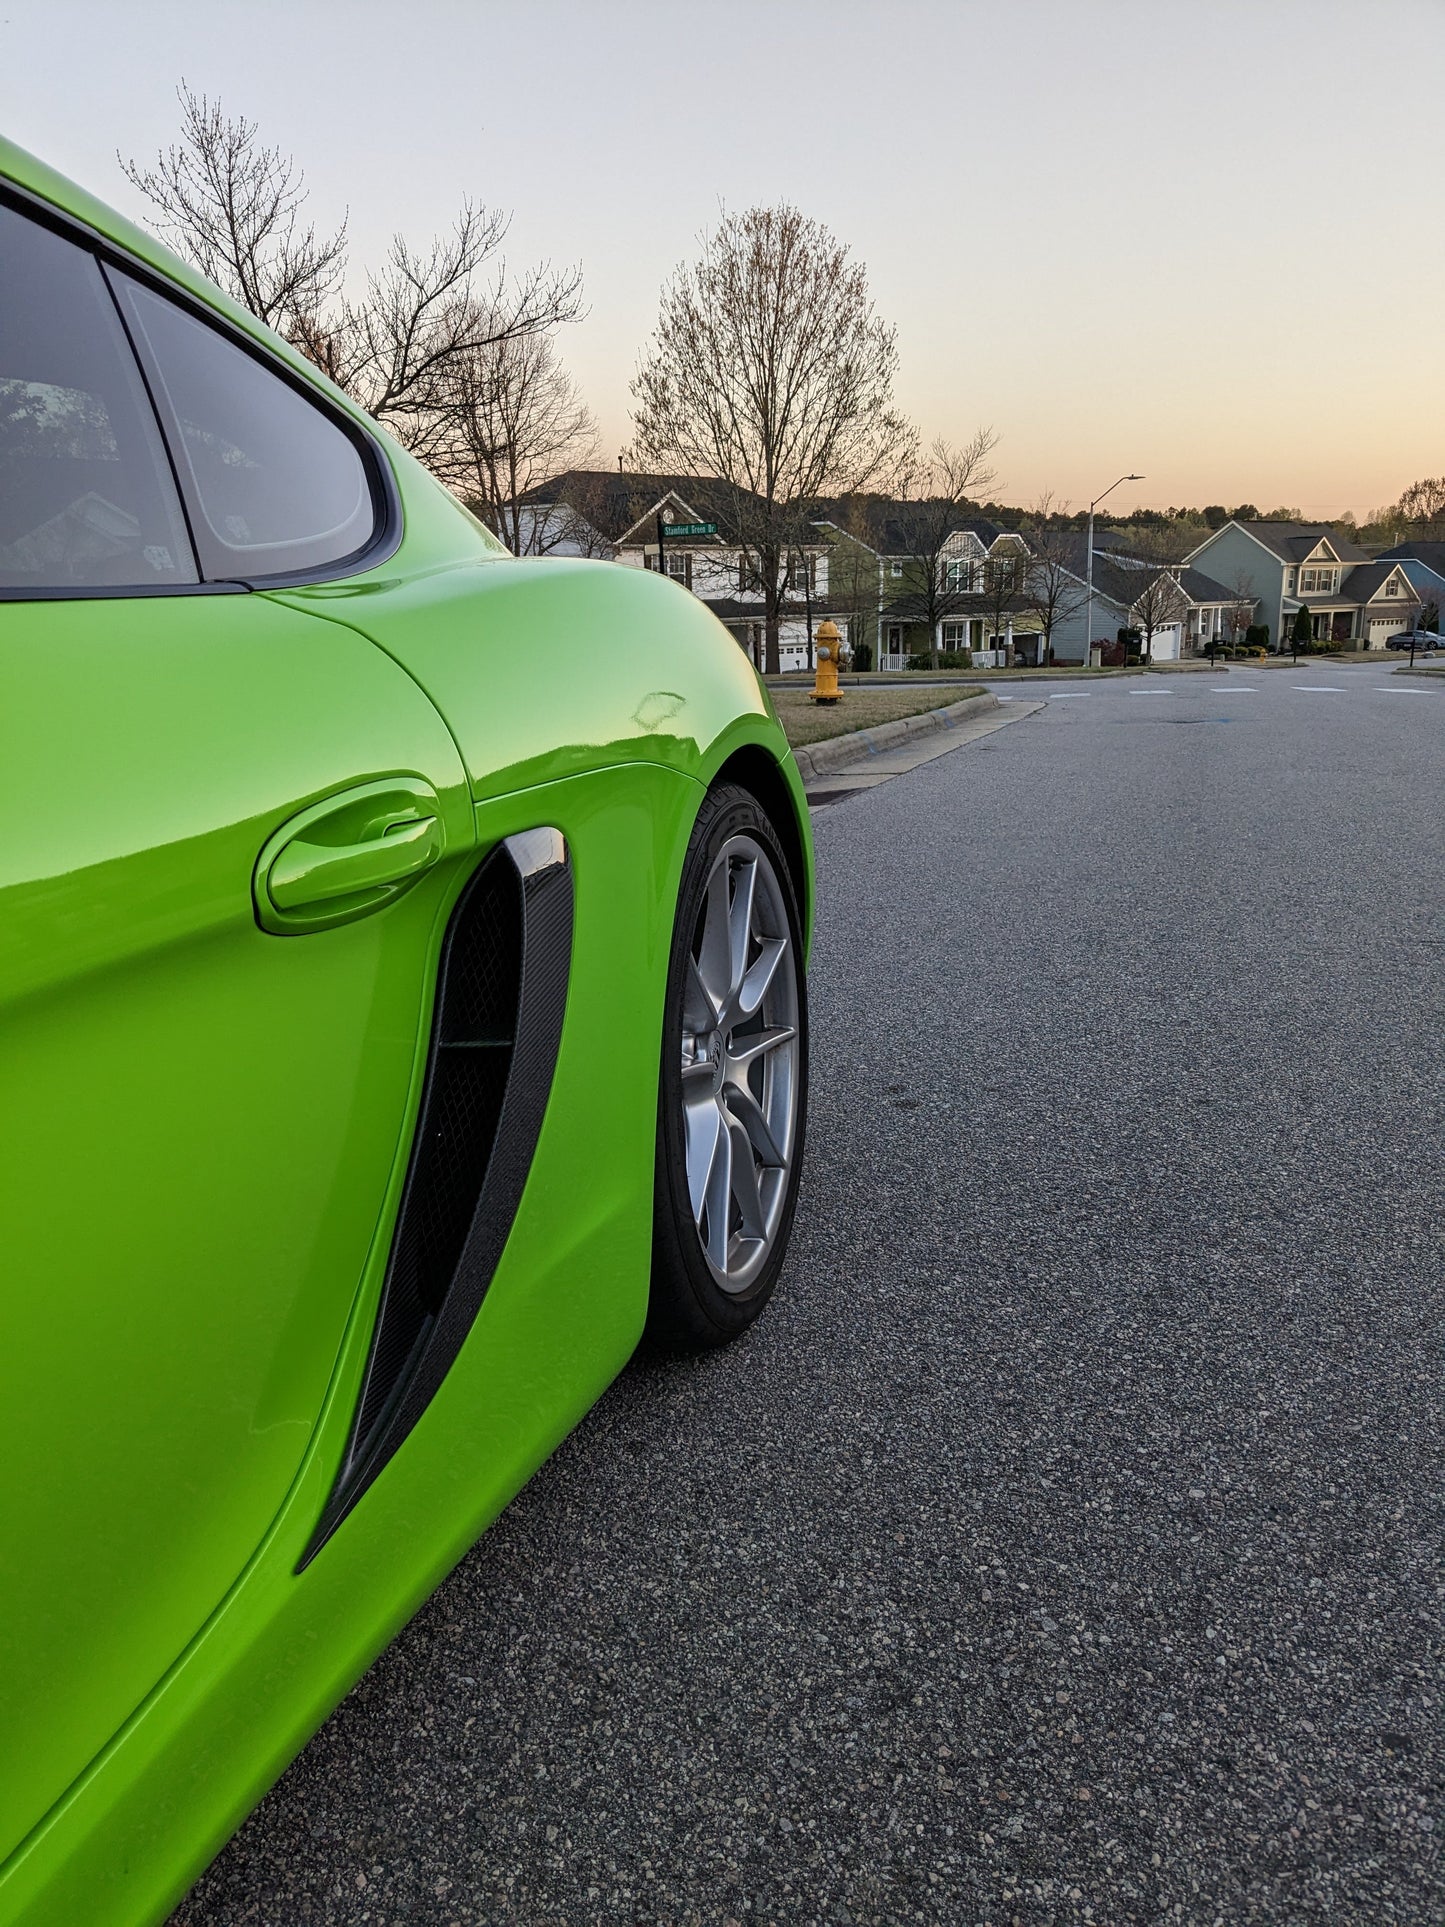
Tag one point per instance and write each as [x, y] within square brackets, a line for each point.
[1321, 688]
[1380, 688]
[1238, 689]
[1151, 692]
[1070, 696]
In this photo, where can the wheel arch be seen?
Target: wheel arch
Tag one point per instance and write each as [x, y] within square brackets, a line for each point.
[753, 769]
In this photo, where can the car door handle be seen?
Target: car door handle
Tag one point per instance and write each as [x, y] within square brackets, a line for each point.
[348, 855]
[316, 873]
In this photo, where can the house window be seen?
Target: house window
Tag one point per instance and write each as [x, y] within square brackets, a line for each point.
[1290, 582]
[897, 568]
[958, 577]
[1318, 581]
[679, 567]
[1392, 587]
[955, 635]
[802, 574]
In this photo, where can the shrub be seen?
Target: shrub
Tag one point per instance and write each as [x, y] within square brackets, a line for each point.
[862, 657]
[947, 659]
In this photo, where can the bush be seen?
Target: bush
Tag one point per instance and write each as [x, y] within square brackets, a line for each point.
[862, 657]
[947, 659]
[1257, 636]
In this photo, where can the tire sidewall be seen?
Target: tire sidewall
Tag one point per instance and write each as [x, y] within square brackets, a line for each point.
[688, 1305]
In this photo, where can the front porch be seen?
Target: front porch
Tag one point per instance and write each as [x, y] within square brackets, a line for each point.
[957, 635]
[1336, 623]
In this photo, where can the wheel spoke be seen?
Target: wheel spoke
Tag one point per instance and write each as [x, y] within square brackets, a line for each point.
[699, 1012]
[714, 960]
[717, 1198]
[745, 1183]
[703, 1124]
[742, 1050]
[754, 986]
[749, 1114]
[740, 923]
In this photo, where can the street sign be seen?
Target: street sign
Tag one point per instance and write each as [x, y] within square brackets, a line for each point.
[689, 528]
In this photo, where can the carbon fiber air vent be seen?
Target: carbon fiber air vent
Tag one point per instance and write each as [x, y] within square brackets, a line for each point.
[497, 1025]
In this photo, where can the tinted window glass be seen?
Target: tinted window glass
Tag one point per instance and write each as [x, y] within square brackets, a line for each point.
[87, 500]
[272, 483]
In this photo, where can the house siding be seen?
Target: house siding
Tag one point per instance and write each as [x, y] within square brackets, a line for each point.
[1231, 557]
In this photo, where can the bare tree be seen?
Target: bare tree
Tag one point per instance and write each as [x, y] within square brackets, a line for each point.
[1004, 575]
[939, 577]
[1052, 591]
[855, 575]
[1159, 604]
[770, 371]
[416, 336]
[581, 519]
[515, 419]
[234, 208]
[1239, 611]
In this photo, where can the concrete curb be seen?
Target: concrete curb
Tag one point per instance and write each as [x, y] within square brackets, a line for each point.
[840, 752]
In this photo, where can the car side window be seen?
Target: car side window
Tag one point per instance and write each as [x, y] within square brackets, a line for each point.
[273, 484]
[87, 498]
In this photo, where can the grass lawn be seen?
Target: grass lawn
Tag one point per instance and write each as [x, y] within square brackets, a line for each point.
[809, 722]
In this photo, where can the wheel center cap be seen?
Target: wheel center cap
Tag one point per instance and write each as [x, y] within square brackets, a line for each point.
[716, 1057]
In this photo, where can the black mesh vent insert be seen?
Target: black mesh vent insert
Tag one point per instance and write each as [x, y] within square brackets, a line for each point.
[495, 1031]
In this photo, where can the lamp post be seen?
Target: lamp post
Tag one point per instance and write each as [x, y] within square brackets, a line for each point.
[1089, 570]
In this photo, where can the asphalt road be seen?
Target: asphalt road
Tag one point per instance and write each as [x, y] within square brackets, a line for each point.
[1066, 1545]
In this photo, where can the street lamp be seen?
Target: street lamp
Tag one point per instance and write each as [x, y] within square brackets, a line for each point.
[1089, 569]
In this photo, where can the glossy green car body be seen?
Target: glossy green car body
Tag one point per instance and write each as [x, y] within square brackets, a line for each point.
[208, 1125]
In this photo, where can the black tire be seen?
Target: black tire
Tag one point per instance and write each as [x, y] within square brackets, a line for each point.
[689, 1309]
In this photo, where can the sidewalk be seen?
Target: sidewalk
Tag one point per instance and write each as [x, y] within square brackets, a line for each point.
[865, 758]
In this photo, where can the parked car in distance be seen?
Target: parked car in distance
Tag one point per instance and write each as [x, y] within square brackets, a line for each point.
[1423, 641]
[402, 1005]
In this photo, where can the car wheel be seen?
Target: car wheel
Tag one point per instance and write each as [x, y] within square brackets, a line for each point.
[733, 1091]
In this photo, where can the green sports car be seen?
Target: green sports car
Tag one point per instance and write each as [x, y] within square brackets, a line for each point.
[401, 985]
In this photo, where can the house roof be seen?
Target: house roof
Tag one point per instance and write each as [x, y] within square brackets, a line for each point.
[1367, 580]
[615, 501]
[1200, 587]
[880, 522]
[1293, 541]
[1432, 554]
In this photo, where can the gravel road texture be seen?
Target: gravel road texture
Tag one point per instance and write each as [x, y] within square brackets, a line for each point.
[1066, 1543]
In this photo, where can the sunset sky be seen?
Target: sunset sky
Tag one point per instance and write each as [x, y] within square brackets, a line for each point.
[1199, 241]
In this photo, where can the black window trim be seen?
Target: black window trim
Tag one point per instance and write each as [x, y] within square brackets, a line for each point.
[386, 498]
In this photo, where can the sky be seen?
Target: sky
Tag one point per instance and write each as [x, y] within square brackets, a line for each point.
[1202, 242]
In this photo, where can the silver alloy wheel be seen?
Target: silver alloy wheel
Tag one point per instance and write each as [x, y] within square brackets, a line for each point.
[740, 1063]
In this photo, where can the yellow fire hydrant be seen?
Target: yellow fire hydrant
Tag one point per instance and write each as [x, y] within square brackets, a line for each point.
[825, 676]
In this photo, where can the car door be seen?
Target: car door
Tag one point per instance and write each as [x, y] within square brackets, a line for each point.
[200, 1115]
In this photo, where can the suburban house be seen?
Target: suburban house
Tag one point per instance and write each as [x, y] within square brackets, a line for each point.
[1189, 609]
[619, 515]
[1424, 565]
[879, 565]
[1287, 566]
